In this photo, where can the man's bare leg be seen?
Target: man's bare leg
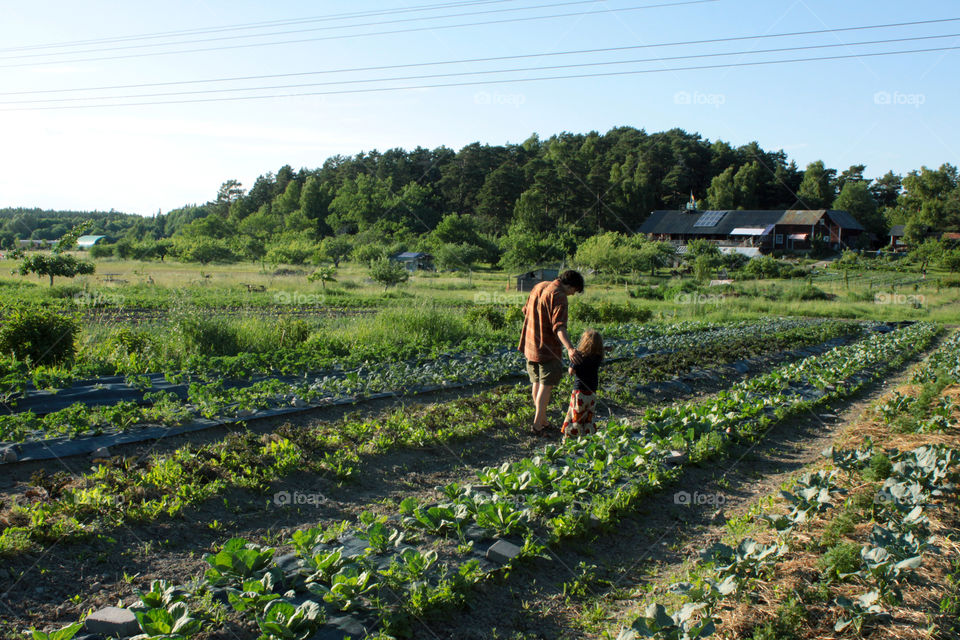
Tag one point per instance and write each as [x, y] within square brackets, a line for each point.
[541, 400]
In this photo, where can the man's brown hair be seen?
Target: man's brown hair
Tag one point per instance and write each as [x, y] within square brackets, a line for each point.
[573, 279]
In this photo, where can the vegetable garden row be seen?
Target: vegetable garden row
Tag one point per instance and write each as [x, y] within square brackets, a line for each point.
[382, 575]
[864, 571]
[126, 489]
[208, 396]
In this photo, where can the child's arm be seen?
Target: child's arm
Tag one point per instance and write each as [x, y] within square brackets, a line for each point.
[570, 371]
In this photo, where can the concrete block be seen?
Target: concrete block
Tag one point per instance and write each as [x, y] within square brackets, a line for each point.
[113, 622]
[675, 458]
[503, 552]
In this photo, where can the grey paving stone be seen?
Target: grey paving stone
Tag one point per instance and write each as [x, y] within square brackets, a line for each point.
[113, 622]
[502, 551]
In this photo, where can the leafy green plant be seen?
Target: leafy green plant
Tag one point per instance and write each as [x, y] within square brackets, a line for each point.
[64, 633]
[172, 623]
[686, 624]
[377, 533]
[861, 611]
[283, 621]
[162, 594]
[237, 561]
[346, 588]
[254, 595]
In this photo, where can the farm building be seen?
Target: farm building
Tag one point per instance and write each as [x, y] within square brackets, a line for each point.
[415, 260]
[85, 242]
[35, 244]
[897, 232]
[526, 281]
[753, 232]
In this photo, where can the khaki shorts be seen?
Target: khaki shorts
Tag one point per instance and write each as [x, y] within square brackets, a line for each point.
[548, 373]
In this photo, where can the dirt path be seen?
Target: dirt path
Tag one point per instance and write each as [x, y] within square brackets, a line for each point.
[589, 586]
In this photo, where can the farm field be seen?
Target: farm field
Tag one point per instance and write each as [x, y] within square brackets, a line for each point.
[307, 462]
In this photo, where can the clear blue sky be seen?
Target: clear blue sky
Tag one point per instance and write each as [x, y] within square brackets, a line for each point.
[888, 112]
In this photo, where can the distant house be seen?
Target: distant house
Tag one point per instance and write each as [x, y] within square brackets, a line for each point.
[755, 231]
[35, 244]
[897, 232]
[526, 281]
[415, 260]
[85, 242]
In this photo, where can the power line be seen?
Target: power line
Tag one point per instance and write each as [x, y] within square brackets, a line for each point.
[360, 35]
[289, 32]
[492, 71]
[498, 81]
[259, 25]
[487, 59]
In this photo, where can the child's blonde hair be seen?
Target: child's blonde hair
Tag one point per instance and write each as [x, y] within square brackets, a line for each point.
[591, 344]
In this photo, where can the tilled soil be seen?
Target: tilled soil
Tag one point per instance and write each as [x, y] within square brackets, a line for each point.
[101, 571]
[588, 588]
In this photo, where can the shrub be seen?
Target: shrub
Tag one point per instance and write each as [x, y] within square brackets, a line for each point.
[101, 251]
[513, 315]
[844, 557]
[789, 619]
[208, 336]
[487, 314]
[646, 292]
[608, 312]
[39, 336]
[842, 525]
[879, 468]
[64, 291]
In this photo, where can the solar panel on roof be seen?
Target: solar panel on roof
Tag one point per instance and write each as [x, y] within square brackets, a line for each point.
[709, 219]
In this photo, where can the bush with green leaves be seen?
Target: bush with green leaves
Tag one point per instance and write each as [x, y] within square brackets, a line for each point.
[840, 560]
[388, 272]
[39, 336]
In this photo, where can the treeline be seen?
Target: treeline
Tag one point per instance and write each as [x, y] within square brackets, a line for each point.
[19, 223]
[525, 203]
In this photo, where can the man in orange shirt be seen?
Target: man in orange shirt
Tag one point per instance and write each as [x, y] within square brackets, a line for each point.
[544, 337]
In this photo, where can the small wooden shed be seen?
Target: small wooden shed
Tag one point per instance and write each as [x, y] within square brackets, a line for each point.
[526, 281]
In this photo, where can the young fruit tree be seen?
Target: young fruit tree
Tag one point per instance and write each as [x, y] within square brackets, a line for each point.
[58, 262]
[388, 273]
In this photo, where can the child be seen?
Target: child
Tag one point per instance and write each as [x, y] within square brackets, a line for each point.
[583, 398]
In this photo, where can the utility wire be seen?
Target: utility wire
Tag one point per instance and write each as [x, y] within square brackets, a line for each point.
[488, 71]
[312, 29]
[498, 81]
[360, 35]
[488, 59]
[258, 25]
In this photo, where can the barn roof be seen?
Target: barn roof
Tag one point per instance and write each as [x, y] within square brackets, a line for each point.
[845, 220]
[694, 223]
[726, 222]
